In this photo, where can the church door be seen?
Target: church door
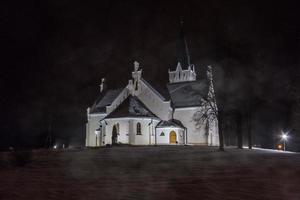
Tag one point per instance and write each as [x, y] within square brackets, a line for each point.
[114, 136]
[172, 137]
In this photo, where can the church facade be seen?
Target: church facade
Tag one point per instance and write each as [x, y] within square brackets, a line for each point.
[141, 114]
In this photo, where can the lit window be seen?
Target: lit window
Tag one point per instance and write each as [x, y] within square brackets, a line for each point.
[138, 129]
[162, 134]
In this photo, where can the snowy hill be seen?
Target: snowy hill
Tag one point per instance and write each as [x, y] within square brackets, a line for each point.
[164, 172]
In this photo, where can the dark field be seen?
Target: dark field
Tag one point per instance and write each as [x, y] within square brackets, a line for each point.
[166, 172]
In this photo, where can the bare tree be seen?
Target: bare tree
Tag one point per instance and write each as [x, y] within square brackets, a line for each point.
[239, 131]
[249, 116]
[210, 112]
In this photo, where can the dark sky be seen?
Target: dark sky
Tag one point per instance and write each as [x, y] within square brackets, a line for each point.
[55, 53]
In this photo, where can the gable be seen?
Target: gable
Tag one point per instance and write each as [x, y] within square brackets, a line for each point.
[154, 100]
[170, 123]
[131, 107]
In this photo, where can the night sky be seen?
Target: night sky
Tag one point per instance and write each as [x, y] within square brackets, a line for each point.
[54, 54]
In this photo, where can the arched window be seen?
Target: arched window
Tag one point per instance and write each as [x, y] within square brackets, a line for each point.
[138, 129]
[162, 134]
[136, 85]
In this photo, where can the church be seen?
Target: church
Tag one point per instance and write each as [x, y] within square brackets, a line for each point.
[140, 114]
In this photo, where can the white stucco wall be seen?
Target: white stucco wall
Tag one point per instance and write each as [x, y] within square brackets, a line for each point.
[91, 125]
[123, 131]
[214, 133]
[128, 131]
[165, 140]
[154, 102]
[195, 135]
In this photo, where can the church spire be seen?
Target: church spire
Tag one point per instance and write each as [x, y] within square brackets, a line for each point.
[183, 55]
[184, 71]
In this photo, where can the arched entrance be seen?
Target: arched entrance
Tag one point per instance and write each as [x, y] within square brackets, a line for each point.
[114, 136]
[172, 137]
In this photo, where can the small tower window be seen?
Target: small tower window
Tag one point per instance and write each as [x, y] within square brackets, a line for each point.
[162, 134]
[138, 129]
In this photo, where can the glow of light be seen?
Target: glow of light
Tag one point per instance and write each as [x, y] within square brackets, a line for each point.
[284, 136]
[279, 146]
[55, 146]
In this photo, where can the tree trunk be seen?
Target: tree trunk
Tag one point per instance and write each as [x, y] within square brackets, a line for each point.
[239, 130]
[220, 127]
[249, 128]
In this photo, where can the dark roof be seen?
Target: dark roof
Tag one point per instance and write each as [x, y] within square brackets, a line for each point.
[187, 94]
[160, 89]
[131, 107]
[105, 99]
[170, 123]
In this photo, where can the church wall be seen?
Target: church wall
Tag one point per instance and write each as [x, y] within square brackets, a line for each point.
[131, 128]
[165, 139]
[214, 133]
[195, 135]
[159, 107]
[128, 131]
[147, 136]
[123, 130]
[91, 126]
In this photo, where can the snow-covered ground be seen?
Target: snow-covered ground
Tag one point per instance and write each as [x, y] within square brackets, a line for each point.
[164, 172]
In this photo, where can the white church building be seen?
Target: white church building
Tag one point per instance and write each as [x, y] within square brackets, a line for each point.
[140, 114]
